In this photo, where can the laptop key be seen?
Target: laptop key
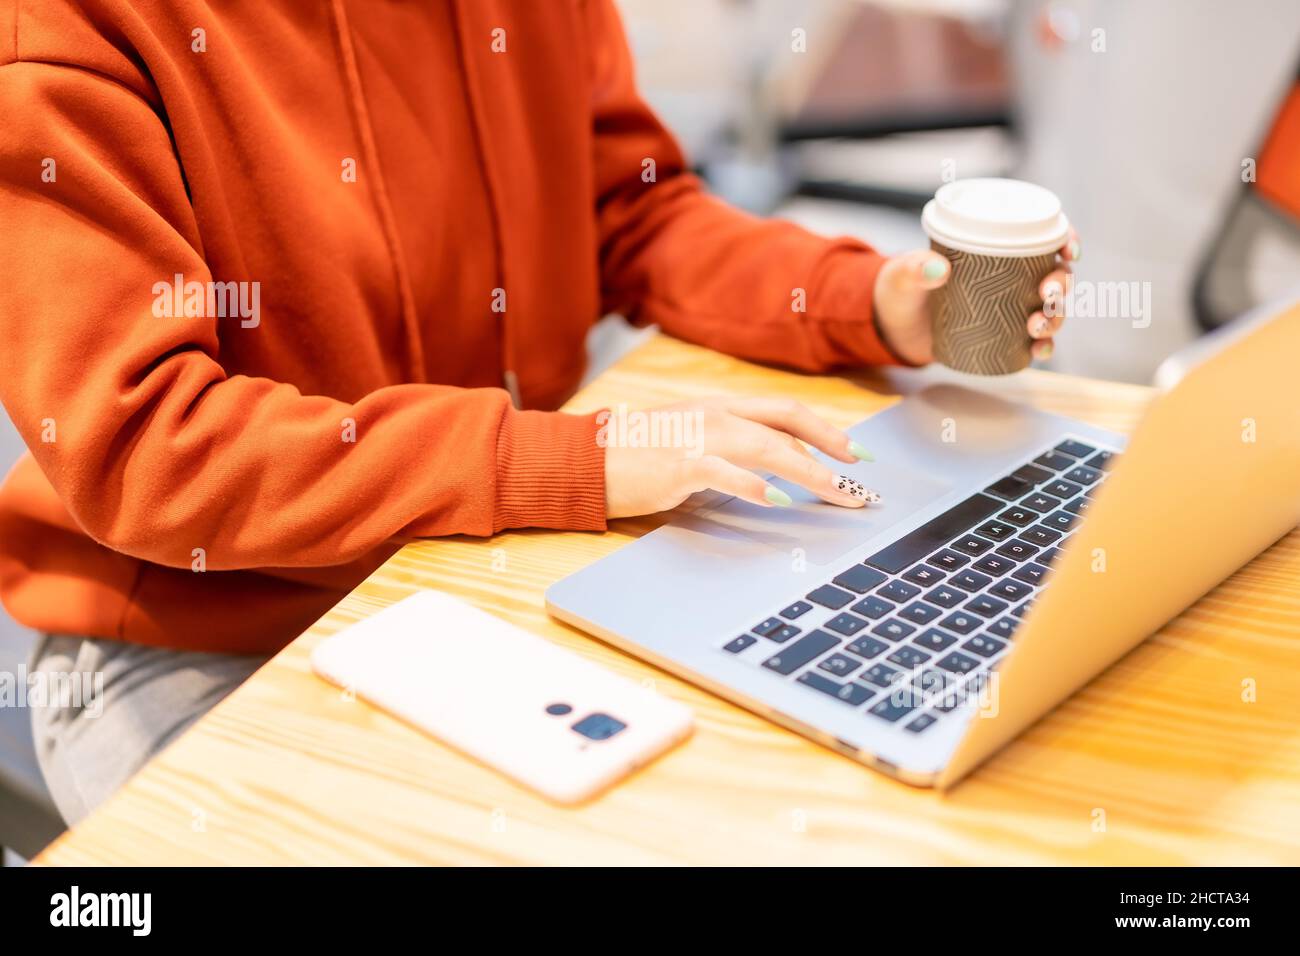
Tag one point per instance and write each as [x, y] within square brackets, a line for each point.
[1033, 474]
[808, 648]
[1103, 460]
[908, 657]
[971, 544]
[882, 675]
[948, 699]
[1019, 516]
[945, 596]
[891, 710]
[1083, 475]
[937, 690]
[918, 612]
[983, 646]
[921, 723]
[845, 623]
[1023, 609]
[829, 596]
[1010, 590]
[933, 639]
[1075, 449]
[994, 564]
[969, 580]
[1063, 489]
[796, 610]
[1040, 502]
[899, 591]
[1011, 487]
[852, 694]
[1049, 556]
[866, 646]
[783, 633]
[961, 622]
[740, 643]
[1003, 627]
[1054, 460]
[859, 578]
[1039, 535]
[839, 665]
[959, 663]
[893, 629]
[873, 607]
[1031, 573]
[1019, 550]
[1092, 492]
[997, 530]
[764, 628]
[1061, 520]
[948, 560]
[1078, 506]
[929, 682]
[985, 606]
[924, 575]
[915, 545]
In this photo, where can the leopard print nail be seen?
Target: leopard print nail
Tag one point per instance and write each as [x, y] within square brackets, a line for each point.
[851, 486]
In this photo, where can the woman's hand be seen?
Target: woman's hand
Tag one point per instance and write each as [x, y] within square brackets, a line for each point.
[718, 444]
[901, 301]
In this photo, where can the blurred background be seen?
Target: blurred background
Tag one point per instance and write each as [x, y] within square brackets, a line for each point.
[1144, 116]
[1169, 128]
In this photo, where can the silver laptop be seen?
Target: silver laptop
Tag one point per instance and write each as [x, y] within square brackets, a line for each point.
[1016, 555]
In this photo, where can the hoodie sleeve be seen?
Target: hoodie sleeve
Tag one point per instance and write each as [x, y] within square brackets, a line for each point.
[761, 289]
[152, 447]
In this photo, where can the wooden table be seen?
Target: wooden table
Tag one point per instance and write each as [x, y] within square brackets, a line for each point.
[1159, 761]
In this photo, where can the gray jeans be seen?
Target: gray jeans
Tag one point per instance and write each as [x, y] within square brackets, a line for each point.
[90, 745]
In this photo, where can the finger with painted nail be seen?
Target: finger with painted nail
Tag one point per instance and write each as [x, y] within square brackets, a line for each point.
[737, 443]
[856, 489]
[1053, 289]
[796, 419]
[1072, 250]
[1041, 326]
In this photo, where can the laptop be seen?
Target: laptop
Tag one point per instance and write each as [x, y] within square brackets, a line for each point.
[1016, 554]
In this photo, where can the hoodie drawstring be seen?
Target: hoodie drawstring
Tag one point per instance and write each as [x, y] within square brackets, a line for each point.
[361, 118]
[509, 380]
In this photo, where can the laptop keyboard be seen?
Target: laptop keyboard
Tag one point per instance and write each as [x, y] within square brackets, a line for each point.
[934, 612]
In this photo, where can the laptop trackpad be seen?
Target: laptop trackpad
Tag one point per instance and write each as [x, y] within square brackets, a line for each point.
[823, 531]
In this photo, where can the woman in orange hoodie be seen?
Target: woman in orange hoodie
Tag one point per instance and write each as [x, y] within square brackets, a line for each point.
[285, 286]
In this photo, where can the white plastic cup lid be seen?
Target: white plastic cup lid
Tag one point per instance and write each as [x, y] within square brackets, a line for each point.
[996, 217]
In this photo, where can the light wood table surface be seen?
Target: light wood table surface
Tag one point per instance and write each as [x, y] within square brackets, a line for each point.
[1158, 761]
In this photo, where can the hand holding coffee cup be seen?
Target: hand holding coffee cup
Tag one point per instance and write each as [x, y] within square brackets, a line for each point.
[907, 285]
[1001, 238]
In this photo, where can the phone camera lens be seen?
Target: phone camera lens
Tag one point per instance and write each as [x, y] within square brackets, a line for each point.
[559, 710]
[599, 727]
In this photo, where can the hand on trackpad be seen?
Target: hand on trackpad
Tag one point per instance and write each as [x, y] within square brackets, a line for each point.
[822, 530]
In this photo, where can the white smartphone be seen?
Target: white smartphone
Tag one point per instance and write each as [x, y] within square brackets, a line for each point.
[537, 713]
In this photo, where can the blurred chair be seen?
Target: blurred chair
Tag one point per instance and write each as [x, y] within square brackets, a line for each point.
[1139, 115]
[890, 71]
[1255, 254]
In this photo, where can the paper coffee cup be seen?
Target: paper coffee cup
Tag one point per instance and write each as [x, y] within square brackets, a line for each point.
[1000, 237]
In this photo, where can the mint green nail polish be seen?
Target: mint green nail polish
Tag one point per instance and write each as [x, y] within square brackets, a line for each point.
[860, 453]
[777, 496]
[933, 269]
[1074, 249]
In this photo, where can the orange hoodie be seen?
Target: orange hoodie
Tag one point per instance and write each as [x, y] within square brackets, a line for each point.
[266, 267]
